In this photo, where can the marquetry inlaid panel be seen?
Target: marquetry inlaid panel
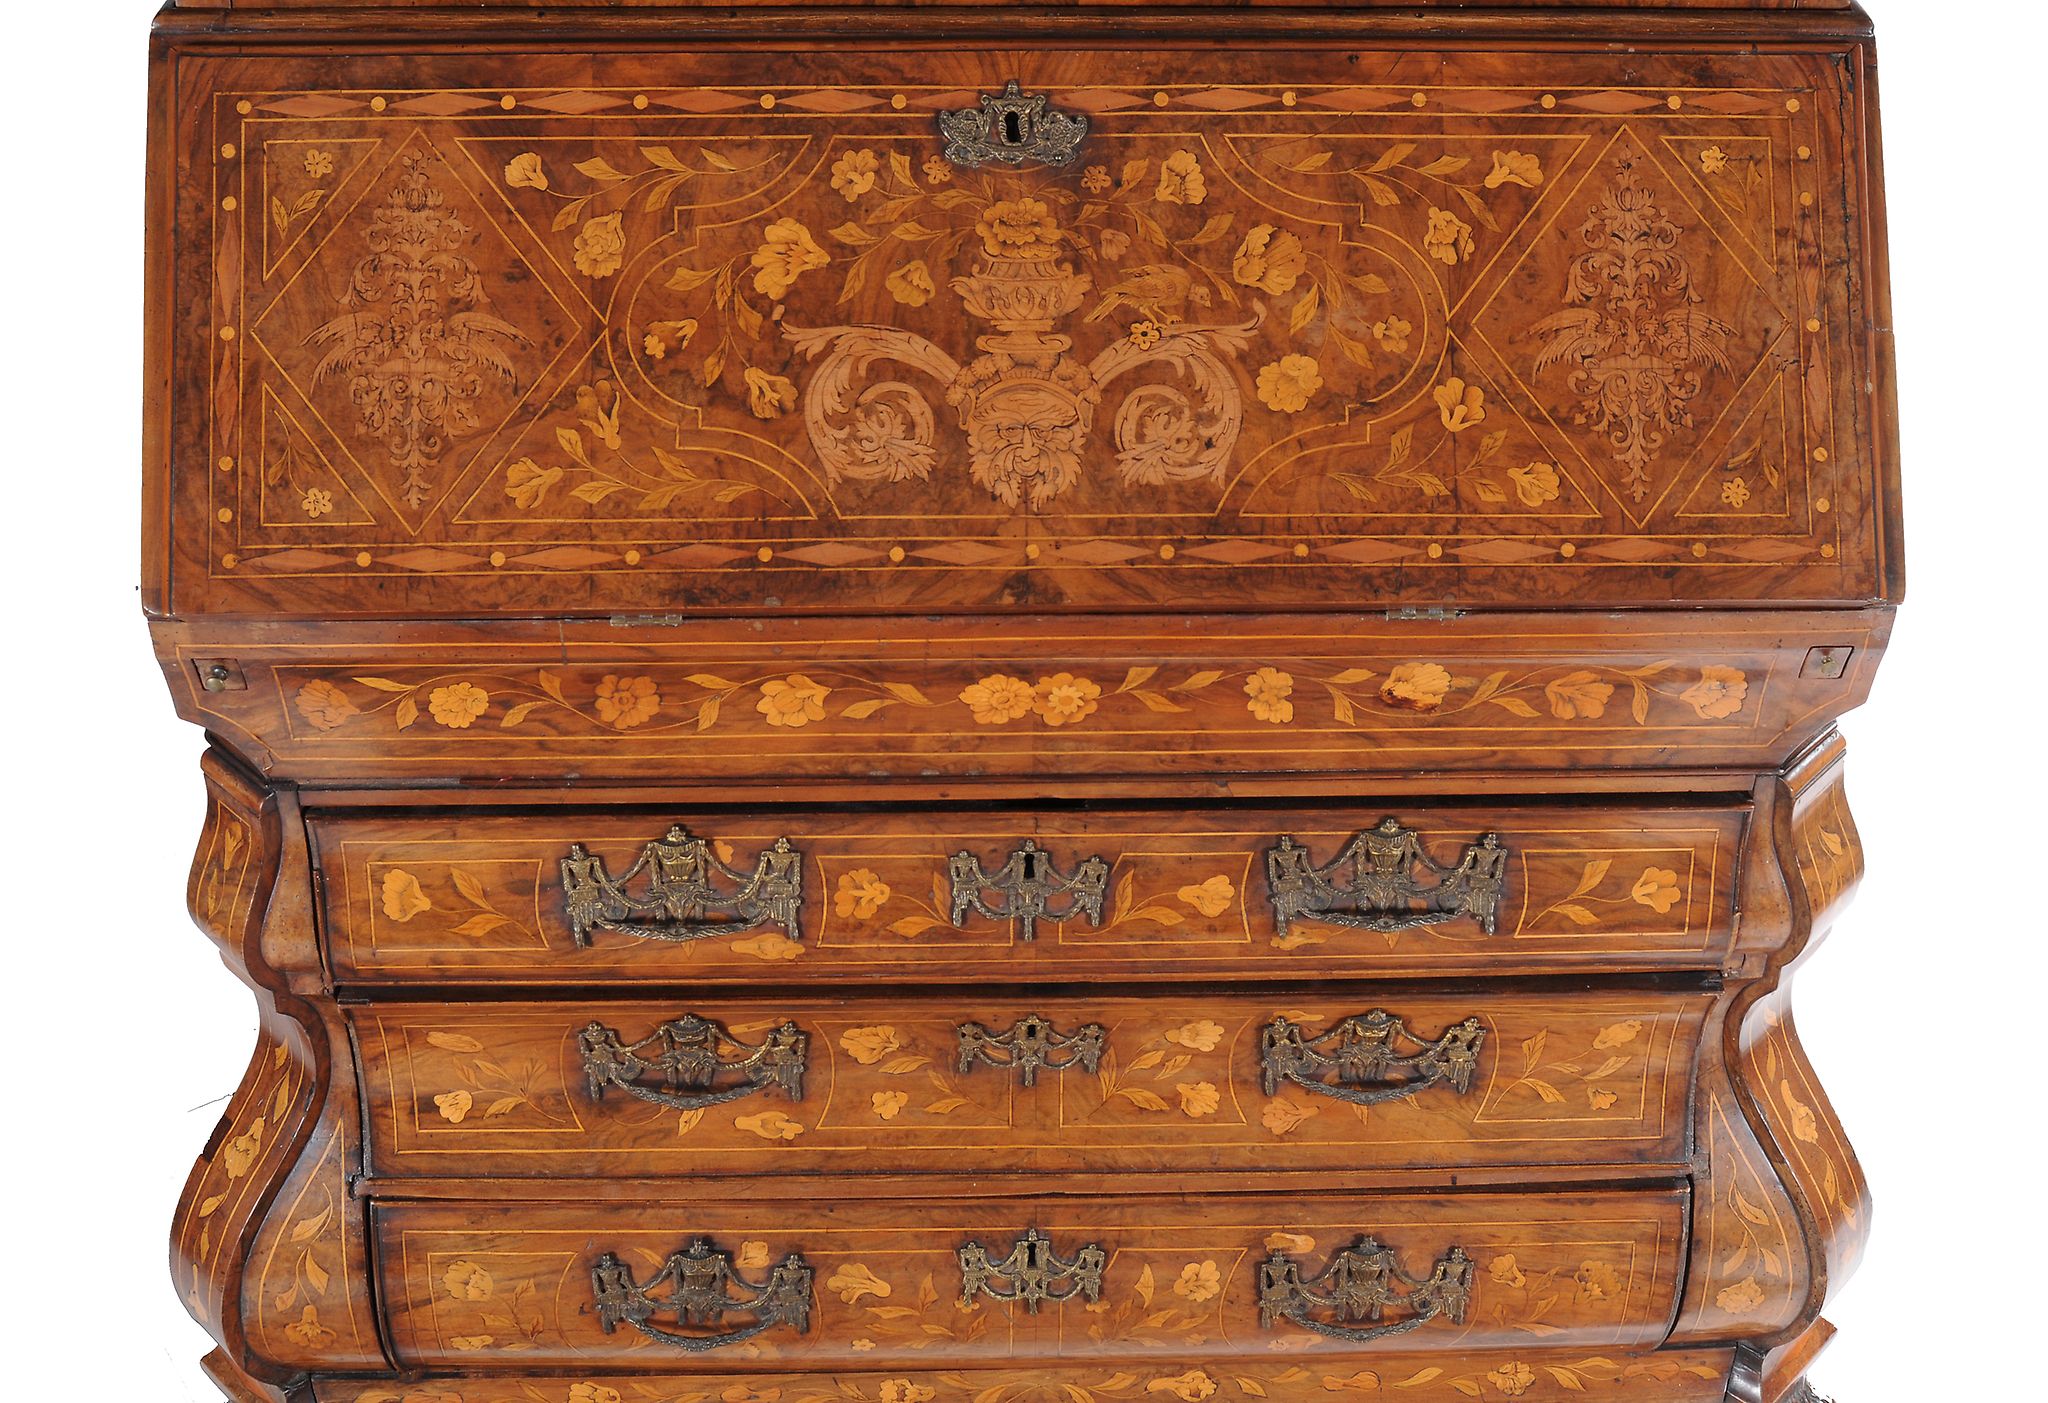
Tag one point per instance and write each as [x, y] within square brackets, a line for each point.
[491, 333]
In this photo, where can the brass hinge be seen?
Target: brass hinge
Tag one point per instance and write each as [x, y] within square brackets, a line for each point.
[1433, 614]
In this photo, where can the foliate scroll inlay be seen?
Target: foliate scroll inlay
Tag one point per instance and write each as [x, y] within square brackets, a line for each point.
[1638, 342]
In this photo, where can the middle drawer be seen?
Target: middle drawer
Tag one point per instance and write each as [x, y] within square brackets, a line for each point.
[1179, 1081]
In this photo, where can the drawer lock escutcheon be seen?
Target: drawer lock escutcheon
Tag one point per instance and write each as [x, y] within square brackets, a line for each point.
[686, 1055]
[1373, 1057]
[1032, 1044]
[1364, 1283]
[701, 1289]
[683, 901]
[1373, 884]
[1011, 128]
[1032, 1273]
[1027, 884]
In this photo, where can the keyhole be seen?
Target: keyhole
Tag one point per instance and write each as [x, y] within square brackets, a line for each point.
[1030, 868]
[1013, 129]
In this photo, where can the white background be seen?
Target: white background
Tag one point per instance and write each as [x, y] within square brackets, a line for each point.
[1923, 1014]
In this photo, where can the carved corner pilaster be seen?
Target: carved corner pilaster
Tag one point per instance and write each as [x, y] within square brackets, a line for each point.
[1780, 1208]
[266, 1235]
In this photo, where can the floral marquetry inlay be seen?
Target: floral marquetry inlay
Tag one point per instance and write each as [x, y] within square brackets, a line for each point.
[1254, 332]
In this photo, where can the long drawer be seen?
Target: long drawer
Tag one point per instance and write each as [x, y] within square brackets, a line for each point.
[876, 1285]
[599, 896]
[952, 1084]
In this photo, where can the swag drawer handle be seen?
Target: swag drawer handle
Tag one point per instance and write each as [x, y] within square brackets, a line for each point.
[1373, 882]
[703, 1288]
[683, 900]
[1032, 1044]
[1364, 1282]
[684, 1054]
[1365, 1056]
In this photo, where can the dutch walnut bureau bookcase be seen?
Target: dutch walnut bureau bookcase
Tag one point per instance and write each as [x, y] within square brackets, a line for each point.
[970, 704]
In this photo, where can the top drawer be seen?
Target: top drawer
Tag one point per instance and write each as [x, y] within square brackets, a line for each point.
[582, 896]
[587, 333]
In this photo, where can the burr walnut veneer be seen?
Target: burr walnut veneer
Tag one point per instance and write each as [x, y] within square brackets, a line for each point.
[1098, 703]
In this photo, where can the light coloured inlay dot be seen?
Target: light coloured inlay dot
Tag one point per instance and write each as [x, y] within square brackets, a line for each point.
[1806, 153]
[1813, 323]
[1031, 551]
[640, 102]
[226, 514]
[231, 204]
[245, 107]
[1674, 102]
[1549, 101]
[378, 104]
[231, 560]
[1699, 549]
[1160, 99]
[497, 557]
[1823, 505]
[1166, 552]
[632, 557]
[764, 555]
[1567, 550]
[363, 558]
[895, 555]
[1301, 550]
[1827, 552]
[1420, 99]
[1436, 552]
[767, 102]
[227, 333]
[227, 152]
[1791, 104]
[227, 465]
[898, 101]
[1288, 98]
[1820, 455]
[1806, 199]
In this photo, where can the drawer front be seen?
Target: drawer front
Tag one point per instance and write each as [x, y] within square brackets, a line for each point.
[797, 1086]
[828, 1284]
[1305, 324]
[1260, 893]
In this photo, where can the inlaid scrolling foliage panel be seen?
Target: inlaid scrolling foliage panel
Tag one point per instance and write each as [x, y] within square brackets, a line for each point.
[415, 898]
[1180, 1280]
[1289, 330]
[1185, 1082]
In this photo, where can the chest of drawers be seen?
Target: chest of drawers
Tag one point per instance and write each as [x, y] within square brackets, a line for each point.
[1103, 703]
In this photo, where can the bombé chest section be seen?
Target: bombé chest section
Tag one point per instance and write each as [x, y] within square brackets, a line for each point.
[595, 332]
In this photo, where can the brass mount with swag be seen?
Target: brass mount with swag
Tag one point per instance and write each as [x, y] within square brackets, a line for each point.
[685, 1053]
[682, 900]
[1372, 884]
[1031, 1045]
[1363, 1282]
[1028, 881]
[702, 1289]
[1365, 1054]
[1011, 128]
[1032, 1273]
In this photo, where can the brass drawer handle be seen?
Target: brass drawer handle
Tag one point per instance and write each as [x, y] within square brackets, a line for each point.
[685, 1054]
[703, 1289]
[1032, 1273]
[1031, 1044]
[1363, 1282]
[1372, 883]
[1365, 1054]
[1028, 881]
[1011, 129]
[683, 901]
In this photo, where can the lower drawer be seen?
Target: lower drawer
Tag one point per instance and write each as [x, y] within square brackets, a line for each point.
[895, 1284]
[956, 1082]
